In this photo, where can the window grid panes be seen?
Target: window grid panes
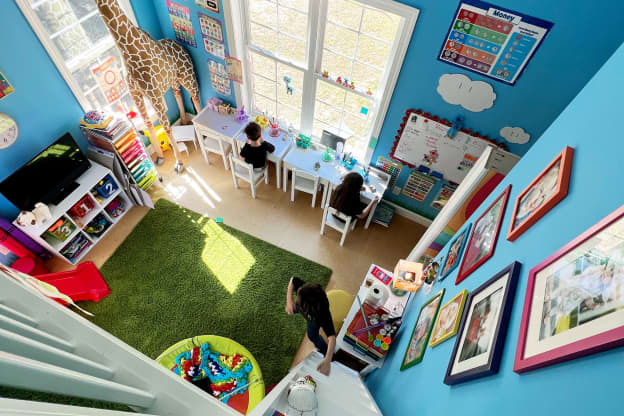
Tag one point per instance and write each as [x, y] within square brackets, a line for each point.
[82, 40]
[357, 43]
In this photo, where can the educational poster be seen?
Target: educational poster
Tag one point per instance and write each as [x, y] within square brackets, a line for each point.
[234, 69]
[390, 167]
[109, 79]
[212, 5]
[181, 21]
[492, 41]
[443, 196]
[212, 35]
[418, 186]
[5, 87]
[424, 142]
[219, 78]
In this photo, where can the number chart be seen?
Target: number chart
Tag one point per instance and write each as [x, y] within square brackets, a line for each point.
[492, 41]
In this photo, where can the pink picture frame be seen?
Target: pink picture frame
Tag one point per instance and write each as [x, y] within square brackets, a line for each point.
[524, 216]
[485, 232]
[608, 339]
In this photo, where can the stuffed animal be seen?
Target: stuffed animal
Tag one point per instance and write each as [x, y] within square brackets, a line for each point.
[26, 218]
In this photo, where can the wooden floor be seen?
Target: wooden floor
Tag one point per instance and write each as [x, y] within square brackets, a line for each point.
[293, 226]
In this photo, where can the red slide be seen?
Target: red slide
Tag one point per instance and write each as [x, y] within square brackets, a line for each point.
[83, 283]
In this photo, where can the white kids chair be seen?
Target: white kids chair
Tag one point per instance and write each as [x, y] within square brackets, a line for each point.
[183, 134]
[209, 143]
[347, 224]
[245, 171]
[305, 182]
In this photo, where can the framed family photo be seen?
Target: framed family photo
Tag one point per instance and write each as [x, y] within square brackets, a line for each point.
[550, 187]
[422, 331]
[481, 337]
[449, 316]
[574, 303]
[484, 235]
[454, 254]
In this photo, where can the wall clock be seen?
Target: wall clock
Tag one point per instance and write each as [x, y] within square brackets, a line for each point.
[8, 131]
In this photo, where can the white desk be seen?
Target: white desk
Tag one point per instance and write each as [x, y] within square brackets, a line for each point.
[216, 126]
[282, 147]
[395, 305]
[331, 174]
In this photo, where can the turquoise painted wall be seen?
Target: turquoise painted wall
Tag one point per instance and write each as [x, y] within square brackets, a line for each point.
[590, 385]
[42, 105]
[583, 37]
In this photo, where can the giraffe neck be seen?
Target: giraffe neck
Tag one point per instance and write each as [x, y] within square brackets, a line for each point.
[121, 28]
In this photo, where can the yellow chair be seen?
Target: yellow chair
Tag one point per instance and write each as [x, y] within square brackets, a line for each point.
[339, 305]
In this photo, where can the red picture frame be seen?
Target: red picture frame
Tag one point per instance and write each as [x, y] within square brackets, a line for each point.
[482, 227]
[529, 215]
[582, 346]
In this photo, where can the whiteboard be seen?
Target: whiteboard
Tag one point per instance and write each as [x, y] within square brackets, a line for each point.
[423, 141]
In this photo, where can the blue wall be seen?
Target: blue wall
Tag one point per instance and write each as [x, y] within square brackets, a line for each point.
[582, 38]
[590, 385]
[42, 105]
[199, 54]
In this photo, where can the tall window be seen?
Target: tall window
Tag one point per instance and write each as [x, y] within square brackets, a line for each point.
[326, 64]
[77, 40]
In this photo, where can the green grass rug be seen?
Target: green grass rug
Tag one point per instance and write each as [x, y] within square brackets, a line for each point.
[180, 274]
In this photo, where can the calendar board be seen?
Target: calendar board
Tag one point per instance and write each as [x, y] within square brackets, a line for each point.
[492, 41]
[423, 141]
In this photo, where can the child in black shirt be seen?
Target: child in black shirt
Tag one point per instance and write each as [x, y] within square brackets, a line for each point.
[255, 149]
[313, 304]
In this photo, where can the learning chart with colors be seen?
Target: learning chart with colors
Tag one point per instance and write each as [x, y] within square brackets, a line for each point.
[492, 41]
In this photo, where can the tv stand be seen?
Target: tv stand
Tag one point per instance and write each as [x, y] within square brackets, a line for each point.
[81, 215]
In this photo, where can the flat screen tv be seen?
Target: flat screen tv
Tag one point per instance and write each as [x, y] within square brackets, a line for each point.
[49, 177]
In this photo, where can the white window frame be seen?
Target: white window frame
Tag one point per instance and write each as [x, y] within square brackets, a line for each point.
[44, 37]
[237, 26]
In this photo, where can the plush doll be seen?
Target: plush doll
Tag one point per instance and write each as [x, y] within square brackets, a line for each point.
[42, 212]
[26, 218]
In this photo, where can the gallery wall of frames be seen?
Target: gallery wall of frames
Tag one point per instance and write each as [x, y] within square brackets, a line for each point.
[526, 315]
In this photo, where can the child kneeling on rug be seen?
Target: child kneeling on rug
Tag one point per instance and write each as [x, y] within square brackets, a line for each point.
[312, 303]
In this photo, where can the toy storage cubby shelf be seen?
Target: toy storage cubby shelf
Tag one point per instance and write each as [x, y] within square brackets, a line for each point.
[80, 221]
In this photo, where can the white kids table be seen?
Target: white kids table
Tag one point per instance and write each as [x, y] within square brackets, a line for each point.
[331, 174]
[216, 126]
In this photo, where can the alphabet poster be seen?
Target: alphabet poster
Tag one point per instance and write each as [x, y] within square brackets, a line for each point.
[181, 21]
[109, 79]
[418, 186]
[212, 35]
[492, 41]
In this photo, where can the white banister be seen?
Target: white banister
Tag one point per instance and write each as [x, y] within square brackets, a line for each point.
[17, 315]
[20, 328]
[12, 407]
[29, 348]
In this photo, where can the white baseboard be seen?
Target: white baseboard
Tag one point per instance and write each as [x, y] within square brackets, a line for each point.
[410, 215]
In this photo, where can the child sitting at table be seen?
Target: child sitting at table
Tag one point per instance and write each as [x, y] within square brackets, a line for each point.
[255, 149]
[346, 197]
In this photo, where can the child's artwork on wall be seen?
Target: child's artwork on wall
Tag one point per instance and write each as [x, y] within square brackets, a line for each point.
[109, 79]
[234, 69]
[492, 41]
[458, 89]
[515, 135]
[443, 196]
[423, 140]
[181, 21]
[219, 78]
[391, 168]
[418, 186]
[212, 5]
[5, 87]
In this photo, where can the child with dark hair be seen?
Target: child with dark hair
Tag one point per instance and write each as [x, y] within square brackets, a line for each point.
[312, 303]
[255, 149]
[346, 197]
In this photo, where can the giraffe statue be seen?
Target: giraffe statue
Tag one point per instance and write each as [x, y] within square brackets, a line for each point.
[153, 67]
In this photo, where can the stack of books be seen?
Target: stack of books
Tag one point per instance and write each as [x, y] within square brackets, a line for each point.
[383, 214]
[121, 139]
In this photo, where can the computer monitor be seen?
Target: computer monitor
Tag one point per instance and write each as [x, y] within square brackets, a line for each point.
[331, 140]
